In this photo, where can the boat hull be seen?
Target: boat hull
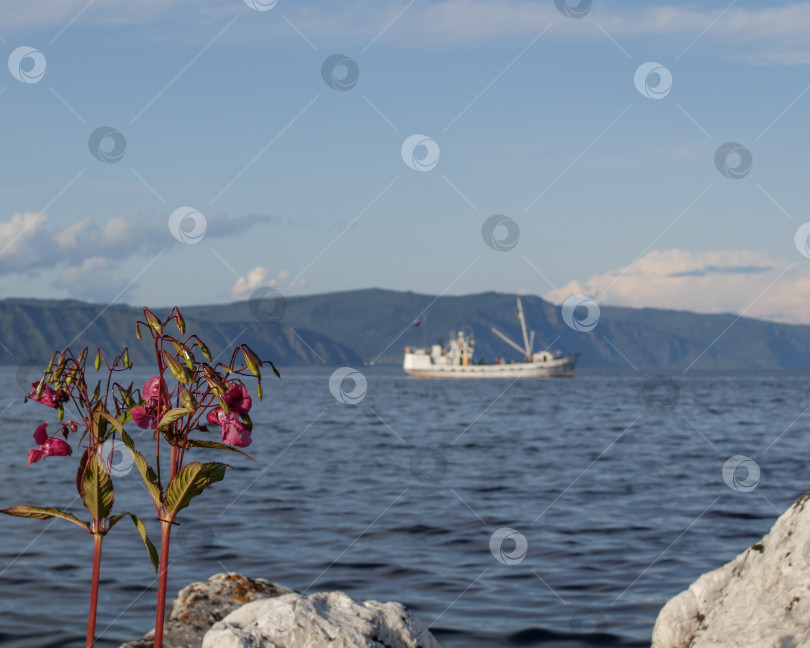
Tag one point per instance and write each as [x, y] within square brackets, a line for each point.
[562, 367]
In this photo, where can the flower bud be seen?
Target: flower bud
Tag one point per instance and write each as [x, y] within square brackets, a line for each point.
[153, 321]
[187, 399]
[175, 368]
[181, 323]
[252, 361]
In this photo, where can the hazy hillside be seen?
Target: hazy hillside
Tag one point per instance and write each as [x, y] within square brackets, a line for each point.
[33, 329]
[365, 326]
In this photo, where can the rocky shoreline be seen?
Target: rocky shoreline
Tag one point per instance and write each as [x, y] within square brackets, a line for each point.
[230, 610]
[761, 599]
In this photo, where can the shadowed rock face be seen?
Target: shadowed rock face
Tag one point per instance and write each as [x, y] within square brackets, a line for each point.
[761, 599]
[230, 610]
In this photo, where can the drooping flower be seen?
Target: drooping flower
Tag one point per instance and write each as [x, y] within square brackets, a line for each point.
[146, 416]
[234, 431]
[48, 446]
[48, 397]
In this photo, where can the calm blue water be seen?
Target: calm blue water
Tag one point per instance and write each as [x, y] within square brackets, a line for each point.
[622, 504]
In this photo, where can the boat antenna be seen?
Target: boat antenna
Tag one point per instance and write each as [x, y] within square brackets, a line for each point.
[424, 330]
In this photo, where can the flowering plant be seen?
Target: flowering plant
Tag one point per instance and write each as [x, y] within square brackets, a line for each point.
[204, 393]
[63, 382]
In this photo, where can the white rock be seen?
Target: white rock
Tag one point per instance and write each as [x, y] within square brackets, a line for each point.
[322, 620]
[761, 599]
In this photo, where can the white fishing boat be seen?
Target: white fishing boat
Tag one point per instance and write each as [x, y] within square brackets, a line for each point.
[456, 359]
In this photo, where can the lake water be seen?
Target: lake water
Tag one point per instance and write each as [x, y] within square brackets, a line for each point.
[612, 495]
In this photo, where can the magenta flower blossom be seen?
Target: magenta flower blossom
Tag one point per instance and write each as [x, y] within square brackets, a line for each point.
[234, 431]
[146, 416]
[48, 396]
[48, 446]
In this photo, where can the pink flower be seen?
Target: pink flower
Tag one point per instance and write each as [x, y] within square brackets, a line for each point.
[238, 399]
[145, 416]
[48, 446]
[234, 431]
[48, 396]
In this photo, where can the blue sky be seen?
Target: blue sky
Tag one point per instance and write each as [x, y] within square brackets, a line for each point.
[222, 110]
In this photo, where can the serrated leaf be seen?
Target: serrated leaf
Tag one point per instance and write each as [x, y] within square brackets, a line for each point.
[80, 471]
[97, 487]
[100, 412]
[141, 527]
[201, 443]
[43, 513]
[192, 480]
[147, 474]
[174, 415]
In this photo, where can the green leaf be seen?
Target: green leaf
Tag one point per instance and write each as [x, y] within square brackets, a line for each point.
[98, 359]
[80, 471]
[141, 527]
[97, 487]
[174, 415]
[190, 482]
[43, 513]
[101, 412]
[147, 474]
[200, 443]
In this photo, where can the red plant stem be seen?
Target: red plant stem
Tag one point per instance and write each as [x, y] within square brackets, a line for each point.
[91, 617]
[165, 534]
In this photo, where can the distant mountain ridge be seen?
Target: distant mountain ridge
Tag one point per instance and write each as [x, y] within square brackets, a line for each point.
[373, 326]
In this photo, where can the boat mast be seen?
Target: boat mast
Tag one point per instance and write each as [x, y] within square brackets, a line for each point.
[528, 345]
[523, 328]
[507, 340]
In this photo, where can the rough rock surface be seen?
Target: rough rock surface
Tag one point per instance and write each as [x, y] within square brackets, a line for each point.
[230, 610]
[323, 620]
[199, 605]
[761, 599]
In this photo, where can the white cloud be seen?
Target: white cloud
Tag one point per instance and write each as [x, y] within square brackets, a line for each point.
[92, 280]
[260, 277]
[66, 239]
[19, 240]
[737, 281]
[87, 255]
[780, 34]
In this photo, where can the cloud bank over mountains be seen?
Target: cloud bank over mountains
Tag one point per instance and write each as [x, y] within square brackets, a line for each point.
[745, 282]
